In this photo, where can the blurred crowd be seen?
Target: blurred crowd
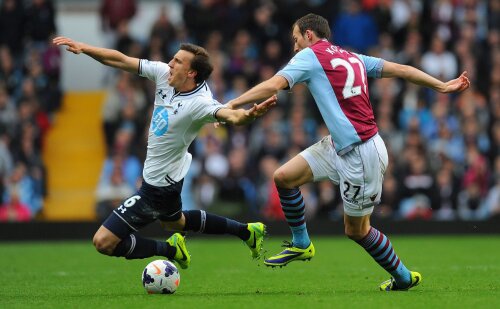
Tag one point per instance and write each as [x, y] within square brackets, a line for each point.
[444, 149]
[29, 96]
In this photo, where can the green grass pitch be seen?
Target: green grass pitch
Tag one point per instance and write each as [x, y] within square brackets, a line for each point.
[458, 272]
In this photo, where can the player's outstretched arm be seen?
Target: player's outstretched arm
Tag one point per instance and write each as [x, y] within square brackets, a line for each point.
[243, 116]
[260, 92]
[421, 78]
[110, 57]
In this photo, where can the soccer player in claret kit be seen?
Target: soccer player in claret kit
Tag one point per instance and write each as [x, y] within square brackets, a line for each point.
[183, 104]
[353, 156]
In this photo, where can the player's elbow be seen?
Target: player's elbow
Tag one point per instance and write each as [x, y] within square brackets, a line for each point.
[276, 84]
[108, 63]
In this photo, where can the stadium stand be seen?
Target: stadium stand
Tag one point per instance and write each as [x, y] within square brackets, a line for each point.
[444, 149]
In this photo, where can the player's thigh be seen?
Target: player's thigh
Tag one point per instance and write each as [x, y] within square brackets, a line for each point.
[293, 173]
[320, 159]
[361, 173]
[130, 216]
[149, 204]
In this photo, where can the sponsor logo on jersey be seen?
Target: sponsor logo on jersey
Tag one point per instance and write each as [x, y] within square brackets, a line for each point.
[159, 121]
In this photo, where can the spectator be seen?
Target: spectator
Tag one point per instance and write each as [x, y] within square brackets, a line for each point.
[113, 13]
[202, 17]
[14, 210]
[6, 160]
[121, 159]
[492, 202]
[12, 22]
[474, 187]
[124, 104]
[417, 189]
[355, 29]
[446, 183]
[10, 75]
[111, 192]
[163, 28]
[40, 22]
[438, 61]
[267, 192]
[21, 188]
[266, 24]
[8, 112]
[237, 183]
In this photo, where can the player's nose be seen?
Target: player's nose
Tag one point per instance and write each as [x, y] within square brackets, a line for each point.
[295, 48]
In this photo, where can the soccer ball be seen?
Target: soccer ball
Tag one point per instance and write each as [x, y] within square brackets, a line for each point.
[161, 277]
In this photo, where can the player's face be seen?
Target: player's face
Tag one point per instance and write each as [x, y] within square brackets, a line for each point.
[180, 70]
[299, 41]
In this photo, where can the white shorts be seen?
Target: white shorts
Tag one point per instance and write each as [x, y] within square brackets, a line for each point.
[359, 173]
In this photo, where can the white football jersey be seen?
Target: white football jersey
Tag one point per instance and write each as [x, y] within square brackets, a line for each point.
[177, 119]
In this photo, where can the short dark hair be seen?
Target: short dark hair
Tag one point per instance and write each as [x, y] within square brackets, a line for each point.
[200, 63]
[315, 23]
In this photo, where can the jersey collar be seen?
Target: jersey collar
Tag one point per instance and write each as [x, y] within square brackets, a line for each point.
[187, 93]
[320, 41]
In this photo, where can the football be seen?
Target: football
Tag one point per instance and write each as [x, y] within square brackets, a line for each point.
[161, 277]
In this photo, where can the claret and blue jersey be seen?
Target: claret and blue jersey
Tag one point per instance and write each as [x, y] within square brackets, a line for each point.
[337, 79]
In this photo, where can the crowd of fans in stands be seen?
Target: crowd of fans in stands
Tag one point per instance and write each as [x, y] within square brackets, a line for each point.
[29, 96]
[444, 149]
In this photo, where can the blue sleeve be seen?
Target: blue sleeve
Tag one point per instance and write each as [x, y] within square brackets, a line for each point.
[373, 65]
[298, 68]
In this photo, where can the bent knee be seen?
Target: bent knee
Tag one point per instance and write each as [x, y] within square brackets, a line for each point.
[176, 226]
[103, 244]
[281, 179]
[355, 233]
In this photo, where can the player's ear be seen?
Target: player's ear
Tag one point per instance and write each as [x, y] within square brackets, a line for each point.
[192, 74]
[309, 35]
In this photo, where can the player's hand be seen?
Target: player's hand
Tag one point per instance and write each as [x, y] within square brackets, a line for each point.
[72, 46]
[458, 84]
[230, 104]
[258, 110]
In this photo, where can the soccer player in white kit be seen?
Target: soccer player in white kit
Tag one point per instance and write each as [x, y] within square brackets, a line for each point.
[353, 155]
[183, 104]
